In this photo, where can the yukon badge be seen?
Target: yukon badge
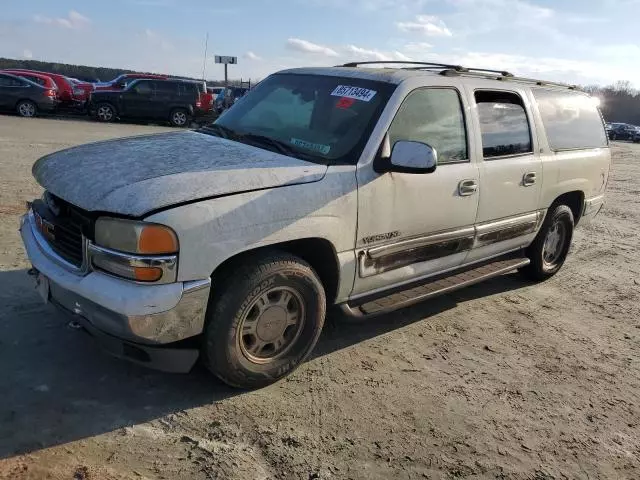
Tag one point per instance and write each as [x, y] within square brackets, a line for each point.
[380, 237]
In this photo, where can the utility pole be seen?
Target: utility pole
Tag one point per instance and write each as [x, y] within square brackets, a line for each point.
[204, 62]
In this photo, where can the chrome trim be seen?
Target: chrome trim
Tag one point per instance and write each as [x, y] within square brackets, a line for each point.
[423, 241]
[371, 261]
[185, 320]
[507, 229]
[196, 285]
[430, 274]
[52, 255]
[167, 263]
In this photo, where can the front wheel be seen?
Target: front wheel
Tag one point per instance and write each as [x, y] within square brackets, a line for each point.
[179, 117]
[263, 321]
[550, 248]
[26, 108]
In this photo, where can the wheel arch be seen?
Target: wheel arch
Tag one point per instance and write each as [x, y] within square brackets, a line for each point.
[317, 252]
[574, 200]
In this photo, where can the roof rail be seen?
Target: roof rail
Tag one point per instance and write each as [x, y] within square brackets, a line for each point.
[448, 70]
[392, 62]
[428, 66]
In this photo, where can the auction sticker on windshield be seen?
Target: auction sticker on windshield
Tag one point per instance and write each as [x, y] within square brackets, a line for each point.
[363, 94]
[314, 147]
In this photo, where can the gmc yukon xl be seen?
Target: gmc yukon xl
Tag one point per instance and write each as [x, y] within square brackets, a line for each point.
[365, 188]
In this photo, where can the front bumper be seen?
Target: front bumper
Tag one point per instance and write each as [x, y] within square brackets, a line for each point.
[125, 317]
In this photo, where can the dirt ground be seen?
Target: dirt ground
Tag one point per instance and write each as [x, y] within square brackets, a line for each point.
[506, 380]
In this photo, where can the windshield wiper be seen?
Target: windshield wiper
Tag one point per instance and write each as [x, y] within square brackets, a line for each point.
[280, 146]
[219, 130]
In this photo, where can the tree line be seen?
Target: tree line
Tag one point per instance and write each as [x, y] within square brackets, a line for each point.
[620, 101]
[84, 72]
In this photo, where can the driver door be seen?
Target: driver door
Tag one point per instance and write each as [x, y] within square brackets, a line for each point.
[411, 225]
[137, 99]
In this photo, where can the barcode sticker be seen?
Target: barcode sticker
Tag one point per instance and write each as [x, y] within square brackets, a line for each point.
[357, 93]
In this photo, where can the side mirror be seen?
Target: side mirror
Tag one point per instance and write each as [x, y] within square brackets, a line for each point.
[413, 157]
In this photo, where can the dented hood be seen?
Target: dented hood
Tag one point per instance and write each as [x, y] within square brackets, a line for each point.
[133, 176]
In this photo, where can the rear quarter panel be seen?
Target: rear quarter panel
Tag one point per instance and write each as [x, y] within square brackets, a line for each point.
[563, 171]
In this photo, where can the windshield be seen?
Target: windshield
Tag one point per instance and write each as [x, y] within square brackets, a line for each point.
[328, 118]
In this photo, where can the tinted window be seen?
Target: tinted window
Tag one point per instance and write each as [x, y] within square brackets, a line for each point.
[37, 80]
[503, 124]
[433, 116]
[166, 88]
[11, 82]
[188, 88]
[326, 117]
[143, 88]
[571, 120]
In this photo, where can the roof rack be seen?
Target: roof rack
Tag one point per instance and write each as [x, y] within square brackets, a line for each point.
[450, 70]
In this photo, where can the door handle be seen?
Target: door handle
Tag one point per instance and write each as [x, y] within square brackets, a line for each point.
[529, 179]
[467, 187]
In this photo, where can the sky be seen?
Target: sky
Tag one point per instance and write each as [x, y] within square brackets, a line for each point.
[577, 41]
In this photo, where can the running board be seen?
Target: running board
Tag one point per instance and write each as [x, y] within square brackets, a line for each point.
[432, 288]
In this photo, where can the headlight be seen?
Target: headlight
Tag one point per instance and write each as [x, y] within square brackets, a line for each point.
[145, 252]
[135, 237]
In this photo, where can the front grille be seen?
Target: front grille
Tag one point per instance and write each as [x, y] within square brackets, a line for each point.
[63, 229]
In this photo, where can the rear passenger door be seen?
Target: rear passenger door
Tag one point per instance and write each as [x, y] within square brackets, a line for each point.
[510, 172]
[166, 97]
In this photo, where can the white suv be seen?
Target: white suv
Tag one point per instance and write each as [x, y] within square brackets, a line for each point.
[367, 188]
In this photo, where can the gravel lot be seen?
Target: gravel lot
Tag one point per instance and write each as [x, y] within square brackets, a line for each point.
[503, 380]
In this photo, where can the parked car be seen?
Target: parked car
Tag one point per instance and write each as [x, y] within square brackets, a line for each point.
[81, 90]
[215, 91]
[69, 95]
[39, 78]
[172, 100]
[121, 82]
[25, 97]
[622, 131]
[204, 105]
[370, 189]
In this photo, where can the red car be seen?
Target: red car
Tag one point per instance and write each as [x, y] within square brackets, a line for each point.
[121, 81]
[81, 90]
[68, 95]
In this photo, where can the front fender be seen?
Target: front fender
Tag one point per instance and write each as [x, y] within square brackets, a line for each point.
[214, 230]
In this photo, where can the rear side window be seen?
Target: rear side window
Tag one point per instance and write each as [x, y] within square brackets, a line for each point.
[11, 82]
[571, 119]
[503, 123]
[166, 88]
[433, 116]
[37, 80]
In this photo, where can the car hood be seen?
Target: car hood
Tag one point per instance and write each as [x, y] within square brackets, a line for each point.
[134, 176]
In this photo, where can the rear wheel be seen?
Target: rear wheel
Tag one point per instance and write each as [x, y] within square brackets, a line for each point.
[550, 248]
[105, 112]
[179, 117]
[26, 108]
[264, 320]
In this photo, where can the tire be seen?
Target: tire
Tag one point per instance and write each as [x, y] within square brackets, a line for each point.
[550, 248]
[179, 117]
[105, 112]
[27, 109]
[263, 321]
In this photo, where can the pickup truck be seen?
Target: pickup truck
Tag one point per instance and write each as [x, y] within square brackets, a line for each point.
[369, 189]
